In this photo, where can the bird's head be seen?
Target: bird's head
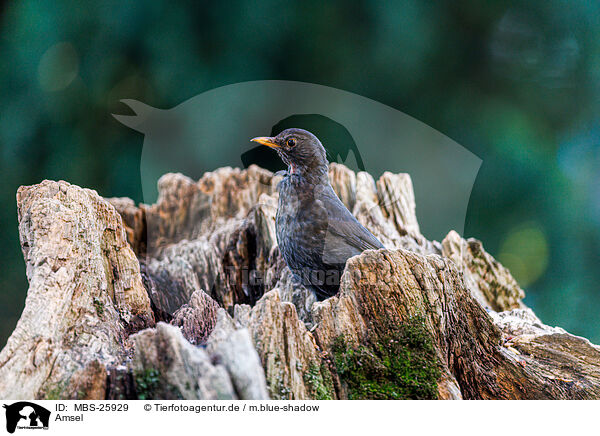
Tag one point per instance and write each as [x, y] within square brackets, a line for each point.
[300, 150]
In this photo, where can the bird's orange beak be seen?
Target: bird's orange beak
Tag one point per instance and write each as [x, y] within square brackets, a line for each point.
[265, 140]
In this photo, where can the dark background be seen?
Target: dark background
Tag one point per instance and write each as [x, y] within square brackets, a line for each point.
[517, 83]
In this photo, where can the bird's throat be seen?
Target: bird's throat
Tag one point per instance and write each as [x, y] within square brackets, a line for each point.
[313, 176]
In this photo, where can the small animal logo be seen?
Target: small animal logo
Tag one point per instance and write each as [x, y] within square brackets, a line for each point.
[26, 415]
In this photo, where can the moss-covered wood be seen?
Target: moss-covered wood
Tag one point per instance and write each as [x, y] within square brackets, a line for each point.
[402, 365]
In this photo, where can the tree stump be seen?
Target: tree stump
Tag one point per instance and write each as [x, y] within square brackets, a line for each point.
[418, 319]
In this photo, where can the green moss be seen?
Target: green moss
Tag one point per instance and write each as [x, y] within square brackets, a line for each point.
[318, 380]
[99, 307]
[402, 365]
[56, 392]
[278, 389]
[146, 383]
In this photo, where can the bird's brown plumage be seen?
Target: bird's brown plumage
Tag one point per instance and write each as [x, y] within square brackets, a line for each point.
[316, 233]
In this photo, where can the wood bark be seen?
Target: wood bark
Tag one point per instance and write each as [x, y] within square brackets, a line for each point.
[203, 262]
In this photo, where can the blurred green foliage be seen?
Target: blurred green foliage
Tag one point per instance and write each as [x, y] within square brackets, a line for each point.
[514, 82]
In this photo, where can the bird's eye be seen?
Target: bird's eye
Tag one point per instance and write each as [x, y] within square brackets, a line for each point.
[291, 142]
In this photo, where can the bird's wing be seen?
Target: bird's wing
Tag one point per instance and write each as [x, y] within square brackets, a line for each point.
[345, 237]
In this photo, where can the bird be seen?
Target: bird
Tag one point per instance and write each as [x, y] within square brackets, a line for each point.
[316, 233]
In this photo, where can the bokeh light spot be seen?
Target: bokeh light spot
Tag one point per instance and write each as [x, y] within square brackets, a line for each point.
[58, 67]
[525, 252]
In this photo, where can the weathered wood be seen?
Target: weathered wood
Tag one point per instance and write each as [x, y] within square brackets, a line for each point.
[85, 295]
[418, 319]
[167, 366]
[489, 282]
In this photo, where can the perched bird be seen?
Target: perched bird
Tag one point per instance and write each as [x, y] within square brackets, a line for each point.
[316, 233]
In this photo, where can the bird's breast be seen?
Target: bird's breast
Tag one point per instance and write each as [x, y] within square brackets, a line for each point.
[301, 223]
